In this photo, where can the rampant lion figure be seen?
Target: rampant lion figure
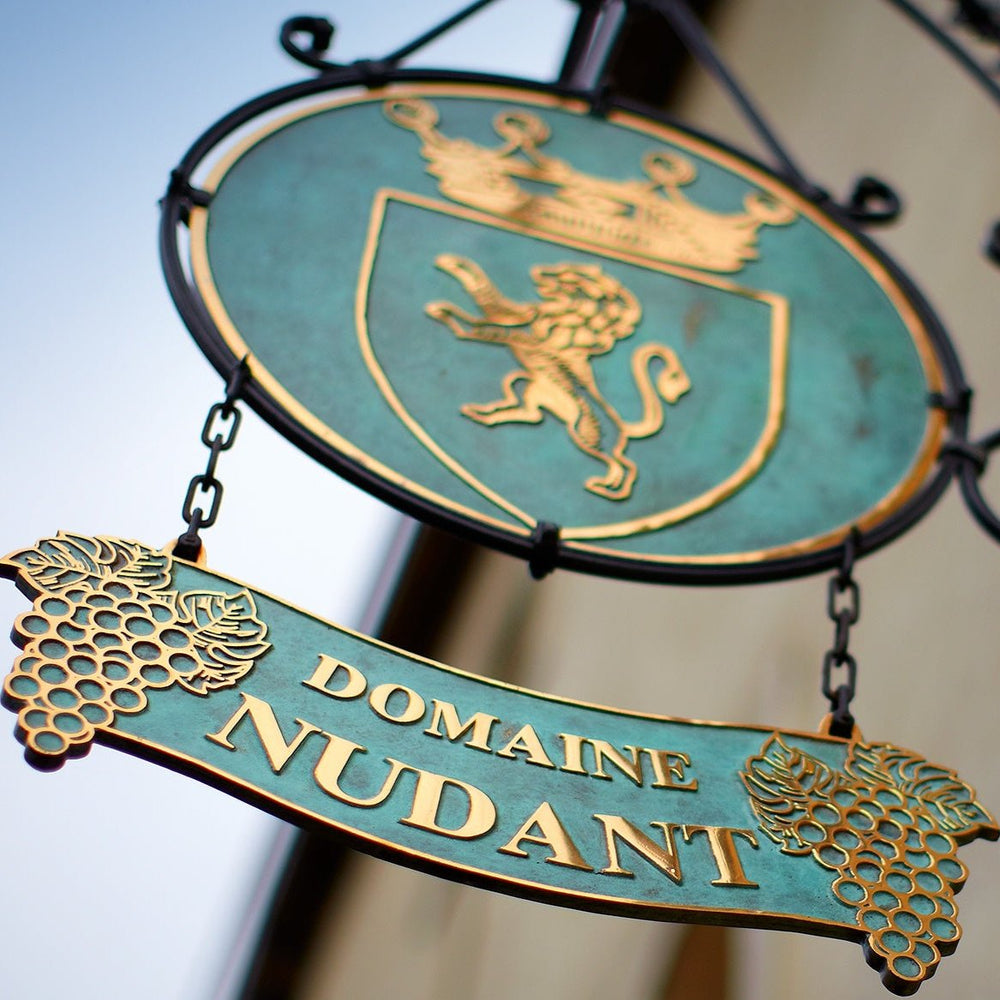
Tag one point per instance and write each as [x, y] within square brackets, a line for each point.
[582, 312]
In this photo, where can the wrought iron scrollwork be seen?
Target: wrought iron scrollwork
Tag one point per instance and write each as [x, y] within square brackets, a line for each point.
[873, 202]
[321, 32]
[592, 44]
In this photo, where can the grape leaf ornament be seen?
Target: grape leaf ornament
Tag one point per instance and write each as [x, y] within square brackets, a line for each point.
[888, 827]
[105, 627]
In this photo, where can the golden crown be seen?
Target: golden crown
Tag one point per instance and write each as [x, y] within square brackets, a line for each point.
[648, 218]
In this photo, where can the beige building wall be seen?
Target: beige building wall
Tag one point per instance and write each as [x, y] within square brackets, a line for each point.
[853, 89]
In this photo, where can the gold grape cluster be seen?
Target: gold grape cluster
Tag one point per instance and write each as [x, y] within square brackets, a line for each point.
[89, 655]
[104, 628]
[899, 875]
[889, 827]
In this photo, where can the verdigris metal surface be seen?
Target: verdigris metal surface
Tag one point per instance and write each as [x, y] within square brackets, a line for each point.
[493, 303]
[483, 782]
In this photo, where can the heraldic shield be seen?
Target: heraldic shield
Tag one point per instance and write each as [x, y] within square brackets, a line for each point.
[567, 384]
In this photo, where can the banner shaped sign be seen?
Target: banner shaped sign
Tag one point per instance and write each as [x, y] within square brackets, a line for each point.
[482, 782]
[513, 317]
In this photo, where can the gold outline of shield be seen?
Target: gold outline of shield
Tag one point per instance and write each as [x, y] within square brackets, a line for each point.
[749, 467]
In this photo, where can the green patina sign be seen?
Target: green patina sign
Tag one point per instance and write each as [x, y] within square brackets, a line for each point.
[480, 781]
[507, 310]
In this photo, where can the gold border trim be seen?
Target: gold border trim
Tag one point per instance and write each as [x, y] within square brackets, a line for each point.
[926, 453]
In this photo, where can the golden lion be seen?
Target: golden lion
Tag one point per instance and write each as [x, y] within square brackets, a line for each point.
[581, 312]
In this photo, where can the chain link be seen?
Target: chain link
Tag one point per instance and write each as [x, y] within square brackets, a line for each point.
[843, 606]
[205, 490]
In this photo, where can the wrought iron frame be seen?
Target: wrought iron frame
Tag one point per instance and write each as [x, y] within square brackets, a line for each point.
[584, 77]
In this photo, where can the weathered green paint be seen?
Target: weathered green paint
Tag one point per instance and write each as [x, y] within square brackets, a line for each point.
[281, 255]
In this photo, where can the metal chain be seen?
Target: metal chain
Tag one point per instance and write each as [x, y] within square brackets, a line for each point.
[205, 490]
[843, 605]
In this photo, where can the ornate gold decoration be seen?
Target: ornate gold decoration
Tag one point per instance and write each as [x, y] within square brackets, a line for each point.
[581, 312]
[889, 826]
[105, 626]
[648, 218]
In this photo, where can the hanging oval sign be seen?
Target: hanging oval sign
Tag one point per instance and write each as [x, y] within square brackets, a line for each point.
[602, 341]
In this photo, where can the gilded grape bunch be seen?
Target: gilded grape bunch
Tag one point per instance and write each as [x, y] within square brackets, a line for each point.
[106, 627]
[888, 826]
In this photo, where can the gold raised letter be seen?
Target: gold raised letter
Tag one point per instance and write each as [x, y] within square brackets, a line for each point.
[605, 751]
[573, 753]
[379, 701]
[664, 858]
[481, 724]
[479, 818]
[551, 834]
[262, 717]
[324, 672]
[526, 741]
[723, 847]
[330, 768]
[668, 767]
